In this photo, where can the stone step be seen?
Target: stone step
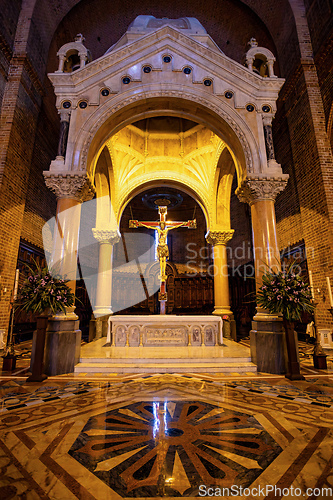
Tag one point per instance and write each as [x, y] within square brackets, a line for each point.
[166, 360]
[172, 366]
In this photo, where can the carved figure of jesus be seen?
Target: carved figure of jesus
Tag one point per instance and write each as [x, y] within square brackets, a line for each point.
[163, 227]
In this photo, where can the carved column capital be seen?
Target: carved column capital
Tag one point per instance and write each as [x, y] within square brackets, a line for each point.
[219, 237]
[65, 115]
[267, 119]
[75, 185]
[260, 188]
[106, 235]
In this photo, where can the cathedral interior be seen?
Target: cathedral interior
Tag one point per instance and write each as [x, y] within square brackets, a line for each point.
[221, 113]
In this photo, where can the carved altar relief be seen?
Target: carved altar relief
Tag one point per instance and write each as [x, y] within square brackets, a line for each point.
[133, 331]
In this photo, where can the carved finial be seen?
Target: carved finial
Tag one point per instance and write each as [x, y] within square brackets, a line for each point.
[79, 38]
[253, 42]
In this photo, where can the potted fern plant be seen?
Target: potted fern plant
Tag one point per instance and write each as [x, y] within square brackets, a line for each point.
[44, 293]
[287, 294]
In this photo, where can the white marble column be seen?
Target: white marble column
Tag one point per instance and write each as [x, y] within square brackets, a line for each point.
[106, 238]
[63, 336]
[71, 190]
[219, 240]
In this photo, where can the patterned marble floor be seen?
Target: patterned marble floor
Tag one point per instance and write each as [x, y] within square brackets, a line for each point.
[166, 436]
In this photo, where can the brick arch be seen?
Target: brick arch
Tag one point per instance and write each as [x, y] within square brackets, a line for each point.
[278, 23]
[330, 127]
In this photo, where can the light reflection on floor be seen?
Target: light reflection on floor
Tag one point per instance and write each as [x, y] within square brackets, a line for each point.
[162, 436]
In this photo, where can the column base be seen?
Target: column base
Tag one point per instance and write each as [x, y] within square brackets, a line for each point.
[222, 311]
[268, 346]
[98, 327]
[102, 311]
[62, 346]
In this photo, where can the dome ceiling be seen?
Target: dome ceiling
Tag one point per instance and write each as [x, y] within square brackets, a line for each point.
[163, 144]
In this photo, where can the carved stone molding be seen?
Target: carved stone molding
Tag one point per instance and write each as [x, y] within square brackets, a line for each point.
[106, 235]
[75, 185]
[219, 237]
[225, 114]
[259, 189]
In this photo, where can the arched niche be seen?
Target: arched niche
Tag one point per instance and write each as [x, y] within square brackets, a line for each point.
[140, 189]
[224, 178]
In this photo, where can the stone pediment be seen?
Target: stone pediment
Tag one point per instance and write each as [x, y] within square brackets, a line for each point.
[198, 52]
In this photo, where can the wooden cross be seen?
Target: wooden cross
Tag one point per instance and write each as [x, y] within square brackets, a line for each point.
[163, 227]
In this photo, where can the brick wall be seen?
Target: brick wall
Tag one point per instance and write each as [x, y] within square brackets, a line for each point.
[303, 209]
[40, 202]
[19, 112]
[9, 14]
[320, 21]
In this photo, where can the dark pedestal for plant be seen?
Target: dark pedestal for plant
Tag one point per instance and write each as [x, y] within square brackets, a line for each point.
[319, 361]
[9, 363]
[62, 346]
[293, 365]
[268, 350]
[37, 363]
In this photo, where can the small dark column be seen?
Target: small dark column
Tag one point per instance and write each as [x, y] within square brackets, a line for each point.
[64, 128]
[269, 142]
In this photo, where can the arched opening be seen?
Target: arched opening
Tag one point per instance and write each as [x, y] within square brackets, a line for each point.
[189, 284]
[72, 62]
[164, 155]
[169, 144]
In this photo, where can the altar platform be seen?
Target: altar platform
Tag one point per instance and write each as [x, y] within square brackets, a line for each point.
[100, 357]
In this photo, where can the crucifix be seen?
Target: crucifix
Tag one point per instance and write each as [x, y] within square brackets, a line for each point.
[163, 227]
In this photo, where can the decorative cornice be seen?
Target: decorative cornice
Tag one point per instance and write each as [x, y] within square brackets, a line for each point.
[158, 39]
[260, 188]
[106, 235]
[219, 237]
[75, 185]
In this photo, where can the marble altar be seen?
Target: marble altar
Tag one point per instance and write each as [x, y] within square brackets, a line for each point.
[164, 330]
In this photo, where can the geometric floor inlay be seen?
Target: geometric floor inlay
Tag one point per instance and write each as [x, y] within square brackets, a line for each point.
[170, 448]
[154, 436]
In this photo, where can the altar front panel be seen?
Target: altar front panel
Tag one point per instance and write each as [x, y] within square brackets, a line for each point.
[168, 330]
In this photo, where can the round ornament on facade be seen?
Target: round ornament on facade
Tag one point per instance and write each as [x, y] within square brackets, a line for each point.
[147, 69]
[126, 80]
[166, 59]
[228, 95]
[208, 82]
[66, 104]
[187, 70]
[266, 109]
[83, 104]
[250, 108]
[105, 92]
